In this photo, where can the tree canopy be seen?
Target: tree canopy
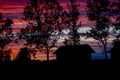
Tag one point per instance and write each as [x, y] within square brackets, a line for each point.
[99, 12]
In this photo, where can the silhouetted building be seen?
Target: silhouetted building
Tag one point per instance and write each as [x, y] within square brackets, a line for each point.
[115, 51]
[74, 54]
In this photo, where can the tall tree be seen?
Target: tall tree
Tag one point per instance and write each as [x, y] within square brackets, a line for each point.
[45, 19]
[98, 12]
[115, 12]
[51, 28]
[5, 30]
[73, 15]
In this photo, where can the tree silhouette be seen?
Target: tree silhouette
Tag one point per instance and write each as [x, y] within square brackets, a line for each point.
[5, 30]
[23, 55]
[0, 17]
[98, 12]
[6, 55]
[73, 15]
[51, 28]
[44, 24]
[115, 12]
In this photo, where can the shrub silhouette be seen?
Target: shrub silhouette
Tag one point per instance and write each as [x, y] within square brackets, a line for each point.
[23, 55]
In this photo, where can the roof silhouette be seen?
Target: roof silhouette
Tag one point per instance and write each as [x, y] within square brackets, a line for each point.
[74, 54]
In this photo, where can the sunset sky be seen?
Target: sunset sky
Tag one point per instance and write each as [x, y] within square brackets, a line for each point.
[13, 9]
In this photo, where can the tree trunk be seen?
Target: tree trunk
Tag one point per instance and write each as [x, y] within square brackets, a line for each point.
[117, 37]
[105, 48]
[105, 51]
[47, 54]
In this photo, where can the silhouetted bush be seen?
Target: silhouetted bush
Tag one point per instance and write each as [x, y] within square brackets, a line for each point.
[23, 55]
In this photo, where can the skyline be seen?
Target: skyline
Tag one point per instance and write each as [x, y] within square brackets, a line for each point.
[13, 9]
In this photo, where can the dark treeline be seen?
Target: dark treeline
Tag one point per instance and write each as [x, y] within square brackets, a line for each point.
[5, 28]
[46, 20]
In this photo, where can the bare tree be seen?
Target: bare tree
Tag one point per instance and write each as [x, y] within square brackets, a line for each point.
[5, 29]
[98, 12]
[72, 16]
[44, 23]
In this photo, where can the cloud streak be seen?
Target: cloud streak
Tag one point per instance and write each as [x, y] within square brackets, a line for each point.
[14, 8]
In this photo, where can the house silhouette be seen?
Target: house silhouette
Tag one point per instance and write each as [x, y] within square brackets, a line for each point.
[74, 54]
[115, 51]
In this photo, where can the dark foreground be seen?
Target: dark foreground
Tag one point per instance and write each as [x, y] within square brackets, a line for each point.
[54, 62]
[54, 68]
